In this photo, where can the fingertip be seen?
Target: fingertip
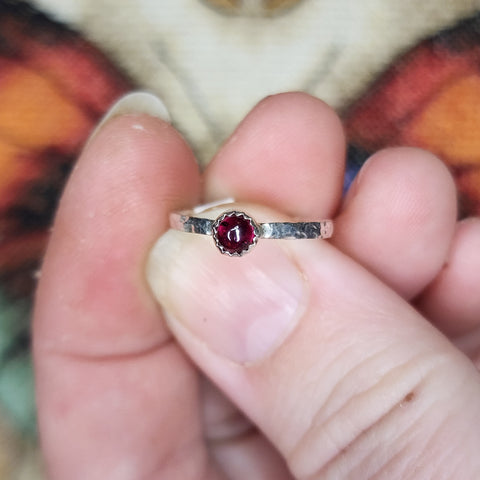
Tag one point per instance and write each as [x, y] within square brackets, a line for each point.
[400, 217]
[288, 154]
[404, 168]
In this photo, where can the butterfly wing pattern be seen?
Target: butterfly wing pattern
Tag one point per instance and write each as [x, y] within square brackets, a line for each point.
[428, 98]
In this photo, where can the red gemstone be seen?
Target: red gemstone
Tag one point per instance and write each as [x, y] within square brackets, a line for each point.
[235, 233]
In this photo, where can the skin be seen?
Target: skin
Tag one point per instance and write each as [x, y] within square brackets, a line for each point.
[388, 395]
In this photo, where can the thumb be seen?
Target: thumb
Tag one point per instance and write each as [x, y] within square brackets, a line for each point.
[342, 375]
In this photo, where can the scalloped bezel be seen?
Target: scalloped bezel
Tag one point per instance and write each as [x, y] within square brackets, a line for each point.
[235, 213]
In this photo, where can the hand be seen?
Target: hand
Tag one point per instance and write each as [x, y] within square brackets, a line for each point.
[315, 342]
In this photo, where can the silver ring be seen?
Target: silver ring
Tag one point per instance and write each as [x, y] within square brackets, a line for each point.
[235, 233]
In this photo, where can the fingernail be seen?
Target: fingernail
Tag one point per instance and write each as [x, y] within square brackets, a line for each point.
[241, 308]
[134, 103]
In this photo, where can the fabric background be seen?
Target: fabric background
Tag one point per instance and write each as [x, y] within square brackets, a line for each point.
[399, 73]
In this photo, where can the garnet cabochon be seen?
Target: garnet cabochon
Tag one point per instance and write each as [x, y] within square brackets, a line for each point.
[234, 233]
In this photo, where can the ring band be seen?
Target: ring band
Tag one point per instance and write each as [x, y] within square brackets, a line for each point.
[236, 233]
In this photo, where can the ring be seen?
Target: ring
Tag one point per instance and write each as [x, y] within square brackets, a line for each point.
[235, 233]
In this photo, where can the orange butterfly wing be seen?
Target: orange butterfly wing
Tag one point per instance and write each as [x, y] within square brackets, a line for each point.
[430, 98]
[54, 87]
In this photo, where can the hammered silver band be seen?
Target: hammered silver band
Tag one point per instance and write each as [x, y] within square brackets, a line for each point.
[235, 232]
[185, 222]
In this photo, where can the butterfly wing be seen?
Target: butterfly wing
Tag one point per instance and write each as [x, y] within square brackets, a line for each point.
[429, 98]
[54, 86]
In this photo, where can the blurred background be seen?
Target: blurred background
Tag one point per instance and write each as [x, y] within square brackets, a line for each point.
[398, 73]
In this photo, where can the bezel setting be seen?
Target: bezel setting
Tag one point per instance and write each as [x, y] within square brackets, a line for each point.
[244, 245]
